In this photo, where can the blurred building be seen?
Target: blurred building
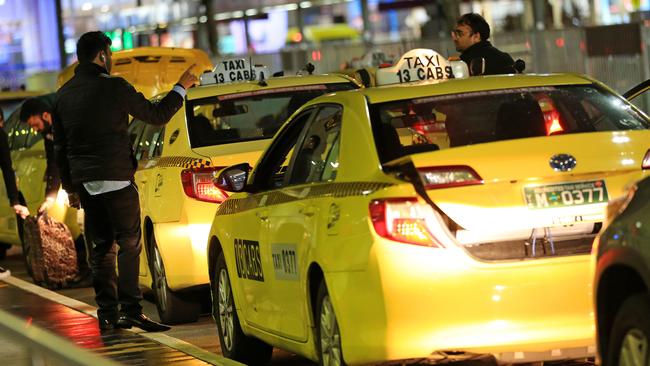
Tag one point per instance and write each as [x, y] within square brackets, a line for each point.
[28, 40]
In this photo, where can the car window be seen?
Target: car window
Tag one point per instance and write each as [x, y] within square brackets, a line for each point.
[149, 143]
[136, 127]
[11, 124]
[640, 97]
[248, 116]
[20, 133]
[270, 172]
[9, 106]
[316, 146]
[439, 122]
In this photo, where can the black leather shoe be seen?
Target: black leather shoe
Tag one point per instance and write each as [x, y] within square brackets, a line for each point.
[141, 321]
[106, 324]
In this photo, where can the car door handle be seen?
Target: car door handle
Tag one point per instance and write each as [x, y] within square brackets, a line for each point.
[262, 215]
[308, 211]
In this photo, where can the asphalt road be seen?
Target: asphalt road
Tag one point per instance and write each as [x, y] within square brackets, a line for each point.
[202, 333]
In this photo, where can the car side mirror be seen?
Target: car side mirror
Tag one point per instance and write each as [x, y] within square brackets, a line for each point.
[232, 178]
[477, 66]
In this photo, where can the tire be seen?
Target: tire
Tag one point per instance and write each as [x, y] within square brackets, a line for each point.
[234, 343]
[328, 334]
[629, 342]
[172, 307]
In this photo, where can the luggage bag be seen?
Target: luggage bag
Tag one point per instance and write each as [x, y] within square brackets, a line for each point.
[50, 252]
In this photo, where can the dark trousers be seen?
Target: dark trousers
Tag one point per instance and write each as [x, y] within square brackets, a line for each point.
[109, 218]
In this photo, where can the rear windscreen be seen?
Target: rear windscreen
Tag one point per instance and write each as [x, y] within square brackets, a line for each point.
[427, 124]
[248, 116]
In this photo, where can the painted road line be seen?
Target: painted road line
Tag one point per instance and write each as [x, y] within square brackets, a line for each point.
[175, 343]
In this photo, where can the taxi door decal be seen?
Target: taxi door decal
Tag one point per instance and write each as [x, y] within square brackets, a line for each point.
[247, 258]
[158, 185]
[285, 261]
[333, 217]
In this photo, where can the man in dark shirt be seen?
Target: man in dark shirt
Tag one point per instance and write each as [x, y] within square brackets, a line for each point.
[37, 113]
[10, 184]
[94, 155]
[471, 36]
[8, 172]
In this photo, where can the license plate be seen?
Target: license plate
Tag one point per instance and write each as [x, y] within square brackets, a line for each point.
[566, 194]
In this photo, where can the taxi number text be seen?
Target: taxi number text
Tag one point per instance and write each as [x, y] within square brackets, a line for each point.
[566, 194]
[431, 73]
[234, 70]
[285, 262]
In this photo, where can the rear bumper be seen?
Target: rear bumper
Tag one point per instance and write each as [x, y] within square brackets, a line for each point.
[412, 301]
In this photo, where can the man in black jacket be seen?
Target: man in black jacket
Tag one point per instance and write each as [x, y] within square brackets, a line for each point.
[37, 113]
[8, 173]
[96, 162]
[471, 36]
[10, 184]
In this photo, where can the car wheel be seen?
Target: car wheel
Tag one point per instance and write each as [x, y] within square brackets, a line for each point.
[172, 308]
[234, 343]
[328, 333]
[629, 342]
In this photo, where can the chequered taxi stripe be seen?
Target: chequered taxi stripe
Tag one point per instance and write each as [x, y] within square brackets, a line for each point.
[337, 190]
[182, 162]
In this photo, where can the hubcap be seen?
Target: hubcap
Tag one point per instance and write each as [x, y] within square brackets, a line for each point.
[330, 337]
[160, 281]
[634, 349]
[226, 316]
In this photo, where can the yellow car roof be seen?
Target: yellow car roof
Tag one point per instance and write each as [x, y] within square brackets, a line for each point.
[271, 83]
[157, 68]
[472, 84]
[19, 95]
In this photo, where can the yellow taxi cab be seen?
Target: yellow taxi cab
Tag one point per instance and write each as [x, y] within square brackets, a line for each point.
[10, 102]
[225, 120]
[150, 69]
[357, 239]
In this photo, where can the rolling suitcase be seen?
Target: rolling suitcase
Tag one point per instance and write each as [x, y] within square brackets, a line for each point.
[50, 251]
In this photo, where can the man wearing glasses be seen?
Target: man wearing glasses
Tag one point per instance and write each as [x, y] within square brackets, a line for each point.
[471, 36]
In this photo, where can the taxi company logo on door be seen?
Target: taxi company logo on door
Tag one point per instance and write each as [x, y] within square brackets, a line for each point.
[247, 257]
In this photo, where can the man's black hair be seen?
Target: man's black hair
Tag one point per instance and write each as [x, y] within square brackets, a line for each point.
[477, 23]
[33, 107]
[2, 115]
[90, 44]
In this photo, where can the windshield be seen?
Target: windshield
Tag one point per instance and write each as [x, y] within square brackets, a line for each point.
[248, 116]
[426, 124]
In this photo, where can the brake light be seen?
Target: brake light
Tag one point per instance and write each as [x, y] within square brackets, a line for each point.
[425, 127]
[404, 220]
[197, 183]
[551, 115]
[449, 176]
[646, 161]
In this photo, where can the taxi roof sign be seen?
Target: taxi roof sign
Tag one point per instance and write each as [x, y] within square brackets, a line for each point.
[234, 70]
[421, 64]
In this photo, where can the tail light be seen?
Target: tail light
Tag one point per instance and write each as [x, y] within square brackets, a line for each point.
[405, 221]
[646, 161]
[449, 176]
[197, 183]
